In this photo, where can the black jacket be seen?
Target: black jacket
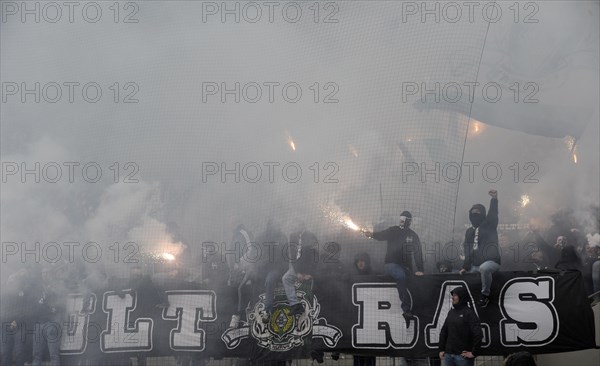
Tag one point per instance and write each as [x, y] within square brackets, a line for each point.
[306, 245]
[487, 247]
[242, 237]
[401, 244]
[461, 330]
[273, 253]
[569, 260]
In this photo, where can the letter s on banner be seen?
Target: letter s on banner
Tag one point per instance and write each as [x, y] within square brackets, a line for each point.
[529, 316]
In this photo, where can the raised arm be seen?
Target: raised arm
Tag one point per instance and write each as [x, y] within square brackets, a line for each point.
[492, 216]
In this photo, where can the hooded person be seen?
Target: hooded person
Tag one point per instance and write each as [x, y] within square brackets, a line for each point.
[402, 245]
[461, 335]
[481, 250]
[362, 264]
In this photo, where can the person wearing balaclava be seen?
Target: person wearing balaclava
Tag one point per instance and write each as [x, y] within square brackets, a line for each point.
[461, 335]
[481, 246]
[401, 243]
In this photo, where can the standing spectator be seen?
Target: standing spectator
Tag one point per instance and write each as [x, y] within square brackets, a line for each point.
[272, 263]
[362, 264]
[592, 263]
[481, 246]
[569, 260]
[50, 314]
[15, 313]
[461, 333]
[401, 242]
[215, 269]
[303, 255]
[241, 270]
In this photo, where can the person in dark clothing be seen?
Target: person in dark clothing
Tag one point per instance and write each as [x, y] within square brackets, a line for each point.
[401, 243]
[461, 335]
[215, 269]
[522, 358]
[303, 255]
[481, 246]
[591, 265]
[16, 313]
[50, 313]
[141, 282]
[362, 264]
[542, 254]
[241, 269]
[569, 260]
[272, 263]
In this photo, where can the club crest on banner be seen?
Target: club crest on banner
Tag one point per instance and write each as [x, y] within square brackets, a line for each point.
[283, 331]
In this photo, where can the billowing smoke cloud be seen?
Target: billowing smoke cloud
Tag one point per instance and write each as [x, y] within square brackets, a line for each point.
[367, 136]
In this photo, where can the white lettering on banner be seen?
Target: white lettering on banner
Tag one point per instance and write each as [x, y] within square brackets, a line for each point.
[432, 331]
[190, 308]
[380, 320]
[122, 335]
[74, 339]
[529, 316]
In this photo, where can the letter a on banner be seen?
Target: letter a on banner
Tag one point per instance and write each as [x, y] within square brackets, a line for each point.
[432, 330]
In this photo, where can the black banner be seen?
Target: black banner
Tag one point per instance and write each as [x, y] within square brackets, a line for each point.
[542, 313]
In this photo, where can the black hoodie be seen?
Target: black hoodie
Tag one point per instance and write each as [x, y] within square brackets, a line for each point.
[487, 243]
[273, 245]
[304, 252]
[401, 244]
[367, 259]
[461, 330]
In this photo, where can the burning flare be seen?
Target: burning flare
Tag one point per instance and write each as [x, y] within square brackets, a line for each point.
[351, 225]
[475, 128]
[292, 144]
[571, 145]
[168, 256]
[336, 215]
[524, 200]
